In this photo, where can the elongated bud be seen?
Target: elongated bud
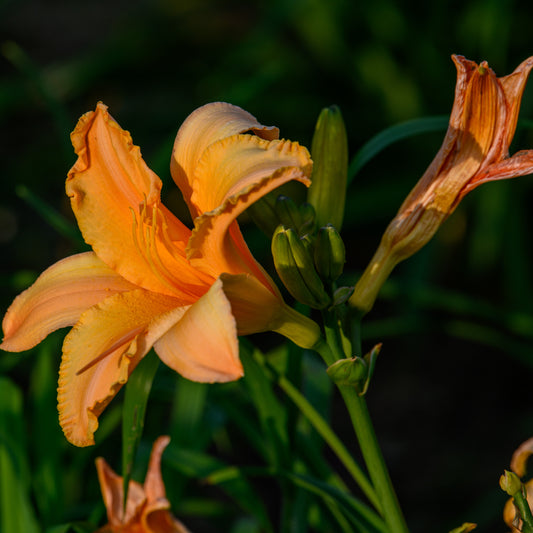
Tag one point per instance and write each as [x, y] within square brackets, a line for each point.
[330, 253]
[329, 150]
[296, 269]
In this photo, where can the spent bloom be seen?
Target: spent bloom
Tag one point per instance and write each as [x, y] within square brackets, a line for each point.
[147, 508]
[519, 461]
[475, 150]
[150, 281]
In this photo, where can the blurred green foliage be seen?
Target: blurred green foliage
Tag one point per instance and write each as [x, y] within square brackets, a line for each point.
[451, 396]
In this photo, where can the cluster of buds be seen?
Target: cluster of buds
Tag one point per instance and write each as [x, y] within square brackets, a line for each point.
[308, 251]
[308, 261]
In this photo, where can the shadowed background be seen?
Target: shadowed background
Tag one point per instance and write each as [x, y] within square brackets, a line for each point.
[451, 394]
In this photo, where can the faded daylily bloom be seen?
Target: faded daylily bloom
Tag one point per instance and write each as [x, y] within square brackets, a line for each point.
[518, 465]
[475, 150]
[147, 507]
[150, 281]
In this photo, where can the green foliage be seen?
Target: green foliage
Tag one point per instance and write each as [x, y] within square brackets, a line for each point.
[254, 443]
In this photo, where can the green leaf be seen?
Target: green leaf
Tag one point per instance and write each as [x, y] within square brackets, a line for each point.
[231, 480]
[48, 448]
[51, 216]
[391, 135]
[135, 400]
[358, 513]
[188, 413]
[16, 513]
[273, 417]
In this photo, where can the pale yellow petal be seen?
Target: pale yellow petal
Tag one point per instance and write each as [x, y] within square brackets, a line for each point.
[232, 174]
[203, 127]
[57, 299]
[203, 345]
[102, 350]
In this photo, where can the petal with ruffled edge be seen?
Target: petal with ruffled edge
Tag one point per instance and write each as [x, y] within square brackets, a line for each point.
[203, 127]
[203, 345]
[57, 299]
[232, 174]
[116, 200]
[101, 351]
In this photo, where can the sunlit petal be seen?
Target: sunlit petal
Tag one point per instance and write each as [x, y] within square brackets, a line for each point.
[203, 127]
[115, 198]
[232, 174]
[203, 345]
[57, 299]
[102, 350]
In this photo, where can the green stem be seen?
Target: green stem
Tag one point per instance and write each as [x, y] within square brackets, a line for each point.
[323, 429]
[364, 431]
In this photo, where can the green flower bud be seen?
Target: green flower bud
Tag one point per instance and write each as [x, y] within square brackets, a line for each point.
[329, 150]
[342, 295]
[510, 483]
[296, 270]
[356, 372]
[353, 371]
[288, 213]
[263, 214]
[330, 254]
[307, 212]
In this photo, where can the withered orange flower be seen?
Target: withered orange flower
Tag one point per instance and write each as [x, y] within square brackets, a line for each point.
[147, 507]
[518, 465]
[150, 281]
[475, 150]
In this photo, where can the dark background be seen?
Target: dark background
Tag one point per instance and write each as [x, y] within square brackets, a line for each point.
[451, 398]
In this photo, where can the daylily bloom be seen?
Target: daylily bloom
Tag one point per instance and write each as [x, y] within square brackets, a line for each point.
[475, 150]
[147, 507]
[150, 281]
[518, 465]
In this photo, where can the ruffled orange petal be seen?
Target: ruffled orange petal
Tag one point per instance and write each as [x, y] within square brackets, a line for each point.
[112, 488]
[116, 200]
[203, 127]
[203, 345]
[57, 299]
[102, 350]
[232, 174]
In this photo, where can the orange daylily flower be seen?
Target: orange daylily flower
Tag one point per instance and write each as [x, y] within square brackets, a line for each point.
[518, 465]
[147, 508]
[475, 150]
[150, 281]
